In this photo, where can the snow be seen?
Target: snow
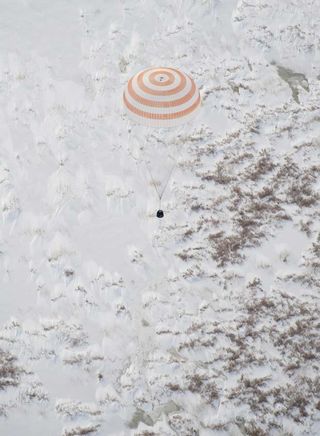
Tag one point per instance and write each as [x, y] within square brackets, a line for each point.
[113, 322]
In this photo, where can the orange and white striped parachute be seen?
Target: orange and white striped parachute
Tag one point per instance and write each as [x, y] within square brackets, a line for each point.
[161, 97]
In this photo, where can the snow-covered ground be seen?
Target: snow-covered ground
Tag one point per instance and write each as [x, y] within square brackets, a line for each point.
[113, 322]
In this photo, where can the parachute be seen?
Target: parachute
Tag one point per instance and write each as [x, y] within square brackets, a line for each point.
[159, 98]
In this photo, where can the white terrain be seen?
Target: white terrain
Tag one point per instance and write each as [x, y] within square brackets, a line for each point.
[205, 322]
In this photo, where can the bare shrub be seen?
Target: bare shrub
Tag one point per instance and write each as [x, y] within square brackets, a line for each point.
[262, 166]
[9, 371]
[182, 425]
[207, 389]
[220, 175]
[81, 430]
[225, 248]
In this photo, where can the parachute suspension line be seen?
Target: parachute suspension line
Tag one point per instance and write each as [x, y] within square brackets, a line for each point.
[160, 193]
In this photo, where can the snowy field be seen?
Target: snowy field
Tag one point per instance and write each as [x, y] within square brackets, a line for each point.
[116, 323]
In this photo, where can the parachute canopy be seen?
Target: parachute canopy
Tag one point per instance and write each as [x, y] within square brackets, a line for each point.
[161, 97]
